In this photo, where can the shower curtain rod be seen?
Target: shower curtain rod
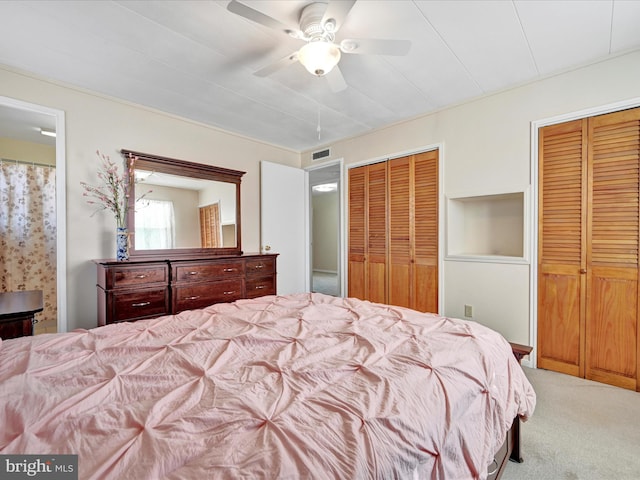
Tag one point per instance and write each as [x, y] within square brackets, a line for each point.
[35, 164]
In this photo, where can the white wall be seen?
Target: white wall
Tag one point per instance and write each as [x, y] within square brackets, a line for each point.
[326, 220]
[225, 195]
[487, 149]
[95, 122]
[12, 149]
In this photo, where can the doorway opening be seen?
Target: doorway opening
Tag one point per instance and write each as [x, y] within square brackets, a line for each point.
[325, 225]
[32, 144]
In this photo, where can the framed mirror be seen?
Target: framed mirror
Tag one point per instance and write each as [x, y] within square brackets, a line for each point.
[182, 209]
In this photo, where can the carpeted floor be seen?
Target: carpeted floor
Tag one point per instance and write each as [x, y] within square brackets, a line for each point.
[327, 283]
[581, 430]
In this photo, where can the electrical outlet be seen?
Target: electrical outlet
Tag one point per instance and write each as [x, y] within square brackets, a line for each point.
[468, 311]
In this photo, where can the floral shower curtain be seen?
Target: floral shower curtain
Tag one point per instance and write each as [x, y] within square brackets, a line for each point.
[28, 233]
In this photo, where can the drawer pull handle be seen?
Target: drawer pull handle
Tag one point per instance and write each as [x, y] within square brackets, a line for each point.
[142, 275]
[258, 267]
[229, 270]
[260, 287]
[231, 292]
[195, 297]
[193, 273]
[141, 304]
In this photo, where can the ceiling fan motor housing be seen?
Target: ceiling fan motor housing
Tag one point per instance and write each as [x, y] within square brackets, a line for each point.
[311, 22]
[320, 54]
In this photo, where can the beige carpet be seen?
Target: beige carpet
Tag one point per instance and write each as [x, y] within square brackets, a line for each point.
[324, 282]
[580, 430]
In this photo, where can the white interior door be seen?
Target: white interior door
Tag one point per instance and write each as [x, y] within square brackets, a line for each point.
[283, 204]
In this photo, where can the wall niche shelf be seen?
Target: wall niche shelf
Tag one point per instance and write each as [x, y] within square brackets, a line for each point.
[488, 228]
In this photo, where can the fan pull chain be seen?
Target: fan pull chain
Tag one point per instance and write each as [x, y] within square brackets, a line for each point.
[318, 129]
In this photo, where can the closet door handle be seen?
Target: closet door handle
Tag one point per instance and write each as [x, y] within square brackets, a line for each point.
[583, 270]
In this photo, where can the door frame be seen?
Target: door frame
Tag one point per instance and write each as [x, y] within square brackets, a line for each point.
[536, 125]
[61, 209]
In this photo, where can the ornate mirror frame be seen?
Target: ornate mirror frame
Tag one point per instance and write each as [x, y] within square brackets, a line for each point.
[182, 168]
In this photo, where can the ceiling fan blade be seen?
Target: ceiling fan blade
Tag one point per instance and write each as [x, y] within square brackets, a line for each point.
[338, 11]
[277, 65]
[336, 80]
[375, 46]
[258, 17]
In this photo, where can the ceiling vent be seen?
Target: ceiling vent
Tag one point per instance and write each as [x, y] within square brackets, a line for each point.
[320, 154]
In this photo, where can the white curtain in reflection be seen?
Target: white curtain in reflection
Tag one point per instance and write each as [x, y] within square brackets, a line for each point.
[155, 226]
[28, 232]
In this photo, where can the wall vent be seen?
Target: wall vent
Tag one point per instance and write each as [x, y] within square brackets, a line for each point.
[321, 154]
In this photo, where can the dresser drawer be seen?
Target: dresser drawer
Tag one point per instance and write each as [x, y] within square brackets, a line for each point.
[189, 297]
[261, 266]
[207, 271]
[259, 286]
[136, 304]
[132, 276]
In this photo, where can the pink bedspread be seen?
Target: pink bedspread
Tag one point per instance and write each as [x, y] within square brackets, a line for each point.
[302, 386]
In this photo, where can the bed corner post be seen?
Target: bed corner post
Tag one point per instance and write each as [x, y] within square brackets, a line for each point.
[515, 452]
[519, 351]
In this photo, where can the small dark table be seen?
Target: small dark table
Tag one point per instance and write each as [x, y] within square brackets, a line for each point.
[520, 350]
[17, 311]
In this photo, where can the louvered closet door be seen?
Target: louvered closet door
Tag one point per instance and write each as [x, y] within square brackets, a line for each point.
[393, 232]
[367, 232]
[425, 230]
[589, 240]
[400, 232]
[561, 252]
[413, 231]
[376, 230]
[612, 249]
[357, 233]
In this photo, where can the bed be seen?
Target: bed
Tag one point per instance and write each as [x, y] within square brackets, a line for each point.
[291, 387]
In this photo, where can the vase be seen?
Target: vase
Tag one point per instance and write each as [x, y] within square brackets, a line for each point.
[122, 244]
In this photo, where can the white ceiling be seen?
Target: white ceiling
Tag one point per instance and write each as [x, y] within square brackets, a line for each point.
[24, 125]
[195, 59]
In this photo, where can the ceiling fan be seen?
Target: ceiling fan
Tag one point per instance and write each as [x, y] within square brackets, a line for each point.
[319, 24]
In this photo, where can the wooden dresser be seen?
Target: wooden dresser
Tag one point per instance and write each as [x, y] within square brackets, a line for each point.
[138, 289]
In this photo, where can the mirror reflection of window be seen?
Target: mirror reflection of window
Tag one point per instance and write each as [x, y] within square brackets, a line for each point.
[155, 225]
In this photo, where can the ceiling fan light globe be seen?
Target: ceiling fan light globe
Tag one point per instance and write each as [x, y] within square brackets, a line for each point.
[319, 57]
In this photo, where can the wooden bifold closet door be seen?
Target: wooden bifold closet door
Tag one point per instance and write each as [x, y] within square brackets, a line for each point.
[393, 232]
[589, 240]
[367, 232]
